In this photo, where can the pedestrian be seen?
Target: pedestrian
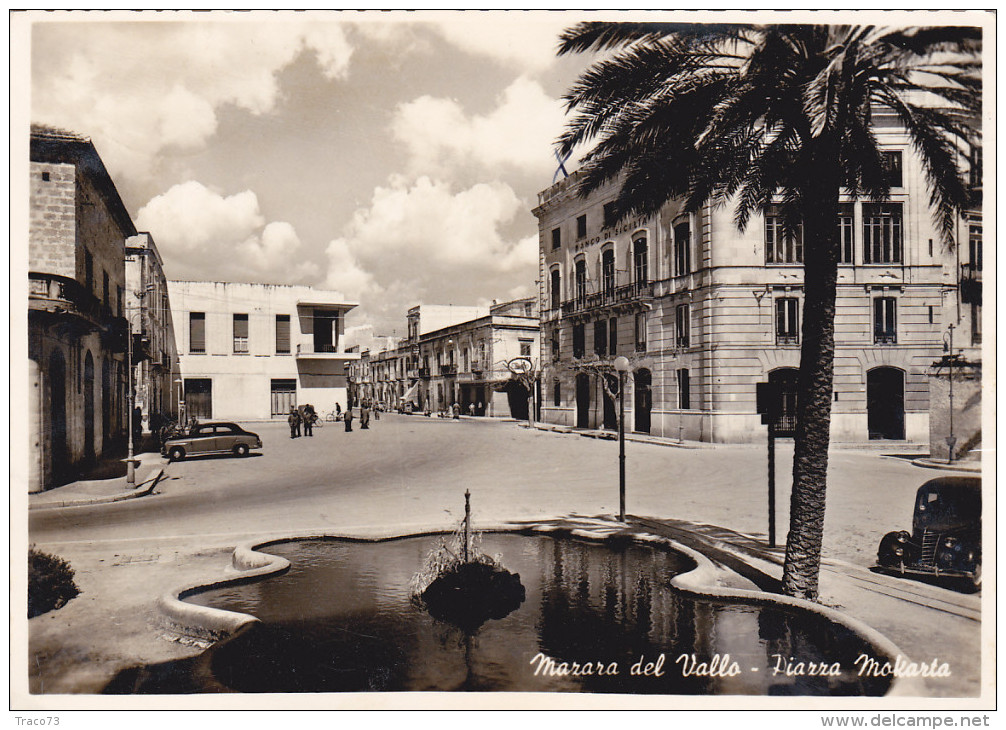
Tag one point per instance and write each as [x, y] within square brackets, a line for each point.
[456, 411]
[365, 414]
[294, 420]
[348, 419]
[480, 411]
[137, 426]
[309, 420]
[471, 409]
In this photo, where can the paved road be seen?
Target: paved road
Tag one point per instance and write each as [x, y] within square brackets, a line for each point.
[413, 471]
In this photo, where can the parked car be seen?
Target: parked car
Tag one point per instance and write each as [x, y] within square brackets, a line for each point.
[212, 437]
[946, 536]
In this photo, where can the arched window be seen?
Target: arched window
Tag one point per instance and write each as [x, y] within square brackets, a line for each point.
[608, 272]
[581, 279]
[640, 265]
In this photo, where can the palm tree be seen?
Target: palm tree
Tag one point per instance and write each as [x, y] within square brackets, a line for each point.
[776, 114]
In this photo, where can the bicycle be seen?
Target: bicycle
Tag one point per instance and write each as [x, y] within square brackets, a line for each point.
[318, 422]
[333, 416]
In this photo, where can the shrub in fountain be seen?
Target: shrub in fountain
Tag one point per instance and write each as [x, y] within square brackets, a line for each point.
[463, 586]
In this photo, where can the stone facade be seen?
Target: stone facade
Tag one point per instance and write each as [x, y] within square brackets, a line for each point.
[77, 335]
[704, 312]
[252, 351]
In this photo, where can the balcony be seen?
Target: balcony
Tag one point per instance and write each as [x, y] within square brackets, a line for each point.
[424, 372]
[620, 297]
[885, 337]
[324, 352]
[449, 369]
[70, 301]
[971, 284]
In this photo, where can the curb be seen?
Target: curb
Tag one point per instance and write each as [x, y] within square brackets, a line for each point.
[956, 466]
[701, 581]
[140, 491]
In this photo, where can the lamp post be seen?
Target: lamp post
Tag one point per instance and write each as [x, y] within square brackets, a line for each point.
[178, 399]
[951, 439]
[622, 366]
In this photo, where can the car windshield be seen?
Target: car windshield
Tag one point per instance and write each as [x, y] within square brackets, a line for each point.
[941, 504]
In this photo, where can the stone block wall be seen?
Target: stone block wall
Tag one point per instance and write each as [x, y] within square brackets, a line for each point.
[51, 224]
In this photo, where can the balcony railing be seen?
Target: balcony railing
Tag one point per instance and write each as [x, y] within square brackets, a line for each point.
[424, 372]
[448, 369]
[885, 338]
[636, 291]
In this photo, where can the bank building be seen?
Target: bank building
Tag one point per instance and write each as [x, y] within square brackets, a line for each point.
[704, 312]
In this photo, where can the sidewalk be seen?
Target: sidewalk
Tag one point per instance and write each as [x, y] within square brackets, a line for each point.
[107, 484]
[915, 452]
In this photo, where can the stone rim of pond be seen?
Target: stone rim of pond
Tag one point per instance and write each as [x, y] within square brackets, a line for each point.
[250, 563]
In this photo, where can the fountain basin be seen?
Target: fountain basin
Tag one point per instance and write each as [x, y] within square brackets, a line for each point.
[339, 620]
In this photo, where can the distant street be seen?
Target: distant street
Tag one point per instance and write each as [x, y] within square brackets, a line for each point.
[411, 470]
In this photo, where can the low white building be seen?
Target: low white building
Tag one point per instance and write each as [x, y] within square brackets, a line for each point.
[253, 351]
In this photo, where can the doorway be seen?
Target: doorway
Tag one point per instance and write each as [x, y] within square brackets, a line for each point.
[199, 398]
[57, 418]
[89, 456]
[582, 400]
[785, 380]
[643, 400]
[885, 403]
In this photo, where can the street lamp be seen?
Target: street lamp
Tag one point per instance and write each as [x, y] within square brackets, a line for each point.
[622, 366]
[951, 439]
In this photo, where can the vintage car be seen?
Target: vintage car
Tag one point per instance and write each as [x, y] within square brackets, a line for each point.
[946, 536]
[212, 437]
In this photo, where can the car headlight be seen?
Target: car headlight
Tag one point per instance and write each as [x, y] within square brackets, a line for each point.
[950, 543]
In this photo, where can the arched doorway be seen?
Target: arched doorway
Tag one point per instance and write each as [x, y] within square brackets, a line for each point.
[57, 418]
[643, 400]
[885, 403]
[582, 400]
[610, 394]
[106, 402]
[785, 380]
[89, 408]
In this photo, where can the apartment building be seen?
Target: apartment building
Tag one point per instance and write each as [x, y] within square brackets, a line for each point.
[156, 375]
[704, 312]
[77, 331]
[456, 355]
[253, 351]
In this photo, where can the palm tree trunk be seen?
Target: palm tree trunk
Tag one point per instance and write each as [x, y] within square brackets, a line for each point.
[814, 392]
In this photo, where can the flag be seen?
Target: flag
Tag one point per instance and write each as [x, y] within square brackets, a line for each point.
[562, 168]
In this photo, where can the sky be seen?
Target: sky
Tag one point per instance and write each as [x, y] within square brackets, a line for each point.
[394, 158]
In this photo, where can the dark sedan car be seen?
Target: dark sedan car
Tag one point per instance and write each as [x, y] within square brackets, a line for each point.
[946, 536]
[215, 437]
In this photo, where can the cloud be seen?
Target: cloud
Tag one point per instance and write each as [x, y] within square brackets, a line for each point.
[423, 241]
[526, 41]
[138, 89]
[517, 135]
[203, 234]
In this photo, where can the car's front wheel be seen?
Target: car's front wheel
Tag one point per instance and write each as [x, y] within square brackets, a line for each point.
[241, 450]
[177, 453]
